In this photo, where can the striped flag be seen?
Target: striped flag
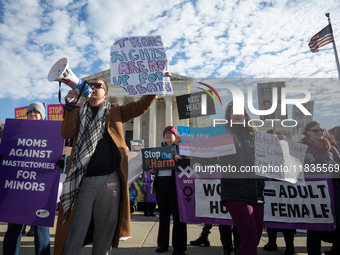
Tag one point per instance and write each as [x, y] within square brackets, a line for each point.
[322, 38]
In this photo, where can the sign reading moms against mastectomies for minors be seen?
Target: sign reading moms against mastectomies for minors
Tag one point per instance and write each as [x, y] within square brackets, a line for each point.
[29, 176]
[160, 158]
[195, 105]
[138, 64]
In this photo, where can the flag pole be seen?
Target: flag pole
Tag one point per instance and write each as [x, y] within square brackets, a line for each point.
[334, 46]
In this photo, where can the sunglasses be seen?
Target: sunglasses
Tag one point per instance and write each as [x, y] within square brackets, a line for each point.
[97, 85]
[317, 130]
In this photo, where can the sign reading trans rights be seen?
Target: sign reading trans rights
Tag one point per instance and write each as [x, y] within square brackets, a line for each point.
[29, 176]
[206, 142]
[138, 64]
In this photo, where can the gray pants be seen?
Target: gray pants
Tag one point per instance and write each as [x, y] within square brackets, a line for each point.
[99, 199]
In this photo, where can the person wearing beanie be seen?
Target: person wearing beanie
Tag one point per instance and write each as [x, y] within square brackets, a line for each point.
[11, 243]
[35, 108]
[165, 188]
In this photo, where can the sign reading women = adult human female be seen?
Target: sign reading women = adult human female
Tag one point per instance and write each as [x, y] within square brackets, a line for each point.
[138, 64]
[29, 174]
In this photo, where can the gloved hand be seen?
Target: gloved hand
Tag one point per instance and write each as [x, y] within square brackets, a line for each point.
[309, 158]
[332, 162]
[61, 163]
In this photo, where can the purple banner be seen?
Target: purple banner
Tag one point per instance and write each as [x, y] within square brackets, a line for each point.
[287, 205]
[29, 175]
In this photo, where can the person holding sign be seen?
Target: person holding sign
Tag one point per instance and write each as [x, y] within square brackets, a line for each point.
[11, 246]
[242, 193]
[165, 187]
[322, 153]
[95, 200]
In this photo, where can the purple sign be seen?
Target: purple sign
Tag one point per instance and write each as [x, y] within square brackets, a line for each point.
[29, 176]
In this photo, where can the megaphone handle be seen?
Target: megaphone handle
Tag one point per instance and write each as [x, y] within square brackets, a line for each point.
[71, 99]
[72, 105]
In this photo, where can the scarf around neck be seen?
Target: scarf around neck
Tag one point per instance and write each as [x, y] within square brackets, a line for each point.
[324, 145]
[90, 132]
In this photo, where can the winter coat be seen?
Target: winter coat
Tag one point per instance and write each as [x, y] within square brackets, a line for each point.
[155, 179]
[246, 187]
[69, 129]
[319, 156]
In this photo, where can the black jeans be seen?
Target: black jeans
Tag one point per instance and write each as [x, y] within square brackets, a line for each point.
[167, 204]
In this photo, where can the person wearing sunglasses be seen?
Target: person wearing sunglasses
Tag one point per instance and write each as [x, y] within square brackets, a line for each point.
[95, 199]
[321, 151]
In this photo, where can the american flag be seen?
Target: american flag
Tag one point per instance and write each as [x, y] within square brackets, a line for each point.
[322, 38]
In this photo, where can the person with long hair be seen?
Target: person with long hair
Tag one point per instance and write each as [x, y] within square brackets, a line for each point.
[321, 151]
[243, 194]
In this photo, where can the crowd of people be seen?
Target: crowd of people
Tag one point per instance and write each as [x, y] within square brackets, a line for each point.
[90, 212]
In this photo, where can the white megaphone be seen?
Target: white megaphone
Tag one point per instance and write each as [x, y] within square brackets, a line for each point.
[60, 71]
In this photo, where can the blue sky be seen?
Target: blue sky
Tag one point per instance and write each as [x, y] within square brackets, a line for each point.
[203, 39]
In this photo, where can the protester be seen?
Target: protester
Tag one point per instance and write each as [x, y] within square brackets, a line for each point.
[166, 194]
[95, 199]
[11, 243]
[321, 151]
[243, 196]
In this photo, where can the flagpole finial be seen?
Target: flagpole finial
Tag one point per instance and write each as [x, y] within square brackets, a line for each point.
[327, 14]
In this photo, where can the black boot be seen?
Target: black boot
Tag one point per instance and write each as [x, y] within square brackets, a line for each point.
[237, 239]
[289, 239]
[331, 251]
[226, 246]
[271, 245]
[225, 233]
[203, 239]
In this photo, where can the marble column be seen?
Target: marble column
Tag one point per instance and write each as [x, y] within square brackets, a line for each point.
[137, 123]
[168, 110]
[152, 125]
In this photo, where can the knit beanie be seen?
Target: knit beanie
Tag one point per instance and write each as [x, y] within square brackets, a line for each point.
[170, 128]
[36, 106]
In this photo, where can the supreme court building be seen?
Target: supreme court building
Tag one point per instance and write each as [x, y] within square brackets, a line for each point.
[162, 113]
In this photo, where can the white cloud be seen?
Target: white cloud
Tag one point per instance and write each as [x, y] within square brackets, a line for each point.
[203, 38]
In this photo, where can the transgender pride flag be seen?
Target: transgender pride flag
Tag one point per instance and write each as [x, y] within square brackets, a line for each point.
[207, 142]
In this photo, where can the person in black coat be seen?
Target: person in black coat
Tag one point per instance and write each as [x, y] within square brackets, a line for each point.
[242, 192]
